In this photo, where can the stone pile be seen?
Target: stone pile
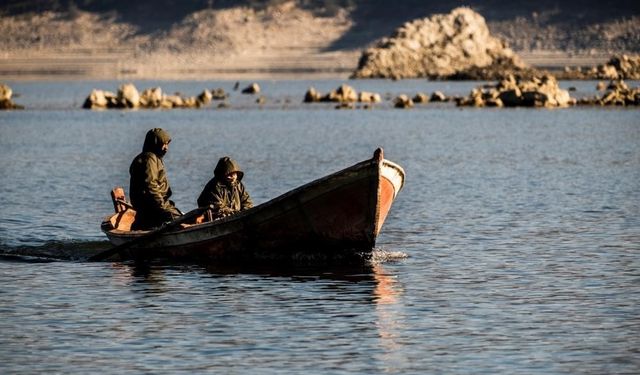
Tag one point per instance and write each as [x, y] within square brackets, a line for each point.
[515, 92]
[617, 94]
[5, 98]
[441, 46]
[128, 96]
[343, 94]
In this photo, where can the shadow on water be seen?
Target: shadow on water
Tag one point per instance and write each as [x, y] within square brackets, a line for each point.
[151, 271]
[80, 251]
[372, 279]
[148, 271]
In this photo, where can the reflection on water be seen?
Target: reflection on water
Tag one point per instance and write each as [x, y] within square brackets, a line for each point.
[389, 318]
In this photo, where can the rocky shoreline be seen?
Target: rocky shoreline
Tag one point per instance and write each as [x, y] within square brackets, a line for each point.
[244, 42]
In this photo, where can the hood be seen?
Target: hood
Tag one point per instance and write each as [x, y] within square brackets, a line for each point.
[225, 166]
[154, 140]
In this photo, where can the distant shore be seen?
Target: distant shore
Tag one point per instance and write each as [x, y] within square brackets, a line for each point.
[116, 65]
[283, 40]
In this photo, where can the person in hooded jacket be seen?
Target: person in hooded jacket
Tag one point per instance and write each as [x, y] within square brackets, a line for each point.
[149, 187]
[225, 193]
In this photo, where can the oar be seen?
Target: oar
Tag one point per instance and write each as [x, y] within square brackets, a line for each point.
[149, 236]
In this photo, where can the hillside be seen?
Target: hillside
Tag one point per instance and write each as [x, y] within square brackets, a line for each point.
[224, 38]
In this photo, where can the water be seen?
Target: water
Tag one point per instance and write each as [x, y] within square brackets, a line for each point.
[521, 230]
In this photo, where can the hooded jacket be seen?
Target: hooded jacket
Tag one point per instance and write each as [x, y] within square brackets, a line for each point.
[224, 197]
[149, 187]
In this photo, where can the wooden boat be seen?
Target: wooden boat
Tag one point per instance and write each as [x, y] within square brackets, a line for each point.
[337, 216]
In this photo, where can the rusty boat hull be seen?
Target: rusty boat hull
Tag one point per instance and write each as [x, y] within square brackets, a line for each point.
[335, 217]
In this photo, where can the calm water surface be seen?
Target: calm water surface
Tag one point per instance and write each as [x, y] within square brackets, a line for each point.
[515, 242]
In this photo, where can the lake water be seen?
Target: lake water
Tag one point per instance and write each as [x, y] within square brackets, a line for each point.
[514, 246]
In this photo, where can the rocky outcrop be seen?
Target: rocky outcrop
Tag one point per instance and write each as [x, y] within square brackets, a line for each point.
[517, 92]
[618, 67]
[616, 94]
[129, 97]
[627, 67]
[5, 98]
[343, 94]
[437, 47]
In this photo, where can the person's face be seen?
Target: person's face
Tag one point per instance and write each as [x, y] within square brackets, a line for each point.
[164, 149]
[232, 177]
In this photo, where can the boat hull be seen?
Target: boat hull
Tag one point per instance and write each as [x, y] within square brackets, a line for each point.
[338, 216]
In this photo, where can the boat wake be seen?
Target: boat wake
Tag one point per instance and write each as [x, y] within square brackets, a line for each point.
[53, 251]
[380, 255]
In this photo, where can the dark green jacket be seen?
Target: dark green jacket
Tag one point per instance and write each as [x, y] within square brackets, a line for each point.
[149, 187]
[225, 198]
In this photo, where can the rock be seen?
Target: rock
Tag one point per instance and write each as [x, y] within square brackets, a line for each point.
[172, 101]
[494, 103]
[219, 94]
[369, 97]
[5, 92]
[511, 92]
[312, 96]
[253, 88]
[190, 102]
[100, 99]
[128, 96]
[627, 67]
[96, 99]
[617, 85]
[112, 100]
[511, 97]
[403, 101]
[344, 93]
[205, 97]
[435, 47]
[421, 98]
[618, 94]
[607, 72]
[166, 103]
[438, 97]
[151, 98]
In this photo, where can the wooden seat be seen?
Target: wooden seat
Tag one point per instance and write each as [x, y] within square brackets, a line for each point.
[119, 200]
[125, 214]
